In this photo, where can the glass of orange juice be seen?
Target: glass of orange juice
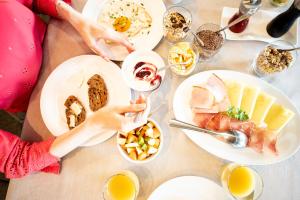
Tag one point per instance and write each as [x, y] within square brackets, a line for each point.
[124, 185]
[241, 182]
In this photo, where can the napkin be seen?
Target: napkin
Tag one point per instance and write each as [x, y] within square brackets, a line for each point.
[256, 29]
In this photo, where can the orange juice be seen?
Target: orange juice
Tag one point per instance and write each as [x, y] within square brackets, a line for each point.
[241, 182]
[122, 186]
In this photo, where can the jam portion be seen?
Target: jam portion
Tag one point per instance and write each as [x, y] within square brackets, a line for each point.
[147, 72]
[239, 27]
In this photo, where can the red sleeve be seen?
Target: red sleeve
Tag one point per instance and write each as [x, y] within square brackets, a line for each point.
[19, 158]
[47, 7]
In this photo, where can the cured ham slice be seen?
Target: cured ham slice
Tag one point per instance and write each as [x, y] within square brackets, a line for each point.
[210, 97]
[258, 138]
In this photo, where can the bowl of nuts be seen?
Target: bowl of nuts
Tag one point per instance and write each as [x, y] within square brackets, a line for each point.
[273, 59]
[142, 144]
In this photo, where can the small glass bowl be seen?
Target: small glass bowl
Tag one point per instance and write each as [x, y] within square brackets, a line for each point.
[205, 53]
[280, 44]
[176, 34]
[178, 69]
[274, 3]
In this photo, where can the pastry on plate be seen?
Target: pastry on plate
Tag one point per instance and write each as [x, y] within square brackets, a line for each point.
[97, 92]
[75, 112]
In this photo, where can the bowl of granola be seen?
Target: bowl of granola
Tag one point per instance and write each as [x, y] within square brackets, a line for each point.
[272, 59]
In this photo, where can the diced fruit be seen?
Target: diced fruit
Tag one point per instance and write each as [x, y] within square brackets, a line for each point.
[132, 145]
[152, 150]
[248, 101]
[150, 125]
[144, 147]
[141, 141]
[124, 134]
[121, 141]
[278, 117]
[129, 150]
[151, 142]
[142, 156]
[235, 93]
[156, 133]
[157, 142]
[139, 150]
[133, 155]
[131, 138]
[262, 107]
[149, 132]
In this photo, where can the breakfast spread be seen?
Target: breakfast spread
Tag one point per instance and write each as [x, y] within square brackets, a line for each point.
[147, 72]
[217, 107]
[141, 143]
[127, 17]
[182, 58]
[75, 112]
[271, 60]
[176, 23]
[97, 92]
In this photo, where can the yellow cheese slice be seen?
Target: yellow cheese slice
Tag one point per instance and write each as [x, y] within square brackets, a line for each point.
[235, 93]
[262, 107]
[250, 95]
[277, 117]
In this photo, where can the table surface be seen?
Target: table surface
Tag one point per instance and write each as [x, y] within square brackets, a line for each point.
[85, 170]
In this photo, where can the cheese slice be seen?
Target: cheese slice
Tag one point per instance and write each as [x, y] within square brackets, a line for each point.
[262, 107]
[235, 93]
[277, 117]
[249, 98]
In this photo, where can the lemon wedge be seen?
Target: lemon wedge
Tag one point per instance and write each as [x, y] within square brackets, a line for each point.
[277, 117]
[262, 107]
[250, 95]
[235, 93]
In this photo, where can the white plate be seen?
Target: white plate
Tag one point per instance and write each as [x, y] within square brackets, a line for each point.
[256, 29]
[189, 188]
[70, 78]
[156, 9]
[288, 141]
[141, 56]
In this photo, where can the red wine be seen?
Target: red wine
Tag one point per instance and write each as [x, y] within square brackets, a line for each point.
[283, 22]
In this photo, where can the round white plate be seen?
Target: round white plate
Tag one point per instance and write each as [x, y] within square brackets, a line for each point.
[70, 78]
[288, 141]
[156, 8]
[189, 188]
[141, 56]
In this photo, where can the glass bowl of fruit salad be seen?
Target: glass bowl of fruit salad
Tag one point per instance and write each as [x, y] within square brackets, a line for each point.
[142, 144]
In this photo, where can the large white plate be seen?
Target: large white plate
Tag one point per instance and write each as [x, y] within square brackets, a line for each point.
[256, 29]
[70, 78]
[189, 188]
[156, 9]
[289, 138]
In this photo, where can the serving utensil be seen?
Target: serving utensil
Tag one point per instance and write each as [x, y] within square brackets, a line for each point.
[292, 49]
[237, 139]
[199, 41]
[238, 20]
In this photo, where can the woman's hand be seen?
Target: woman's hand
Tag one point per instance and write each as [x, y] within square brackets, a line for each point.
[91, 32]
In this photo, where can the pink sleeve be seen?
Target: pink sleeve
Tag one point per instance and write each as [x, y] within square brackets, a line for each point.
[19, 158]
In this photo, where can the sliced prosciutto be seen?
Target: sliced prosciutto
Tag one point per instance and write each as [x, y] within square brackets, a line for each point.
[258, 138]
[210, 97]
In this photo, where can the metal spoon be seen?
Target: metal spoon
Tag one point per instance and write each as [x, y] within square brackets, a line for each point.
[199, 41]
[238, 20]
[292, 49]
[237, 139]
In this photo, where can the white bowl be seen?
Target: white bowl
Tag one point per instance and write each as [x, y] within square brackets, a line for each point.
[126, 156]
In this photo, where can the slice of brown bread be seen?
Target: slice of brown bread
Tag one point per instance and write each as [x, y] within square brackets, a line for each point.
[97, 92]
[79, 118]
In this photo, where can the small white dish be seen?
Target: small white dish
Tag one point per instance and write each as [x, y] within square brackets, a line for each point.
[189, 187]
[256, 29]
[141, 56]
[152, 157]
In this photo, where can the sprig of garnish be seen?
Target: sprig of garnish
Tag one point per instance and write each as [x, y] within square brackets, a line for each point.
[237, 113]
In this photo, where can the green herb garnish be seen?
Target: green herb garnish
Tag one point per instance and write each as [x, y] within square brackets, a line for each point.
[237, 113]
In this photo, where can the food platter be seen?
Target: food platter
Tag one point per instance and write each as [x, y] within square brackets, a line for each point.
[288, 141]
[189, 187]
[156, 10]
[70, 78]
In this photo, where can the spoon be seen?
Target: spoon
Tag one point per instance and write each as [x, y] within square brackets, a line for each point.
[199, 41]
[237, 139]
[238, 20]
[292, 49]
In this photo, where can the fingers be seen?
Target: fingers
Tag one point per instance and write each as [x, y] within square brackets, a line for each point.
[119, 39]
[131, 108]
[100, 53]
